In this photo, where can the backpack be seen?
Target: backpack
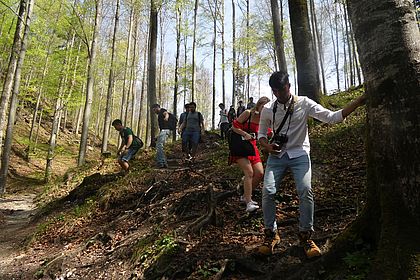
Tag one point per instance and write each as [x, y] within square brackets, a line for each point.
[172, 121]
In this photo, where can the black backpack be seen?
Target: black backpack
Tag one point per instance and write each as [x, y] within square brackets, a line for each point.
[172, 121]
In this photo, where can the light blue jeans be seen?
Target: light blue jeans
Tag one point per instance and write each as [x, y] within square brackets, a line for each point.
[301, 169]
[160, 143]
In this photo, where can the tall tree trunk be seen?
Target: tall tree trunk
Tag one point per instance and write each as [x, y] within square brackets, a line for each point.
[111, 81]
[151, 70]
[388, 41]
[248, 73]
[234, 53]
[194, 50]
[178, 47]
[348, 40]
[123, 114]
[5, 159]
[143, 103]
[214, 64]
[308, 78]
[278, 35]
[134, 76]
[11, 69]
[222, 21]
[318, 44]
[98, 113]
[89, 84]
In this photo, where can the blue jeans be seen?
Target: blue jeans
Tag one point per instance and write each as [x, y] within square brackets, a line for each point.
[190, 140]
[160, 143]
[129, 154]
[301, 169]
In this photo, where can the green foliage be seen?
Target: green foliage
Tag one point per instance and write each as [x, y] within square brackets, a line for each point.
[207, 270]
[358, 264]
[149, 251]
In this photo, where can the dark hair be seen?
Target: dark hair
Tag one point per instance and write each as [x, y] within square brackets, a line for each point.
[240, 101]
[278, 80]
[251, 98]
[186, 105]
[221, 104]
[154, 106]
[116, 122]
[193, 104]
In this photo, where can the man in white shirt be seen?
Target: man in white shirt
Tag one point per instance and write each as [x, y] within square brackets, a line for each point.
[290, 149]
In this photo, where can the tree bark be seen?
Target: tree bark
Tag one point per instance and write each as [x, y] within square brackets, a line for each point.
[151, 69]
[89, 85]
[194, 50]
[278, 36]
[233, 53]
[388, 41]
[111, 78]
[123, 114]
[308, 79]
[178, 47]
[10, 74]
[318, 45]
[5, 160]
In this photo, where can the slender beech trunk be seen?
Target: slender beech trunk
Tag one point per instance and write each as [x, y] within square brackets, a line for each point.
[178, 47]
[98, 113]
[248, 71]
[161, 55]
[107, 121]
[194, 51]
[11, 69]
[319, 47]
[234, 91]
[348, 39]
[134, 76]
[222, 22]
[151, 70]
[308, 78]
[89, 85]
[123, 115]
[214, 64]
[143, 103]
[278, 35]
[5, 159]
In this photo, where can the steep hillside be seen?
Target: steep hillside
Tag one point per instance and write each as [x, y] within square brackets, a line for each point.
[187, 221]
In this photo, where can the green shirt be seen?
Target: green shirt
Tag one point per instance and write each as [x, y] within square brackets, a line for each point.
[125, 132]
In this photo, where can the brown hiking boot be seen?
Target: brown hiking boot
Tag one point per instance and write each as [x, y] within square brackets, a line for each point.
[272, 238]
[311, 250]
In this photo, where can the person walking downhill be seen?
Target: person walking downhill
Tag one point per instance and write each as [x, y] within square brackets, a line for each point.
[250, 104]
[194, 126]
[223, 122]
[289, 148]
[167, 123]
[181, 131]
[241, 108]
[247, 126]
[130, 144]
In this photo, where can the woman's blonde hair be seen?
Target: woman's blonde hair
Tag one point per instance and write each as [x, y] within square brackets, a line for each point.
[260, 103]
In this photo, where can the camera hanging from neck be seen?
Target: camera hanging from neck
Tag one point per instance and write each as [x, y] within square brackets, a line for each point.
[289, 112]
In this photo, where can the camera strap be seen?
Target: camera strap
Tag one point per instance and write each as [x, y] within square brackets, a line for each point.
[289, 112]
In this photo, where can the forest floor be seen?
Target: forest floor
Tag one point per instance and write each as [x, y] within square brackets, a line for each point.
[184, 222]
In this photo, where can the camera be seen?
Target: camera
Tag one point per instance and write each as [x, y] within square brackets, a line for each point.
[280, 140]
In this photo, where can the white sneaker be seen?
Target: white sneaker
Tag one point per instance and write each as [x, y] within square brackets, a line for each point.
[242, 199]
[251, 207]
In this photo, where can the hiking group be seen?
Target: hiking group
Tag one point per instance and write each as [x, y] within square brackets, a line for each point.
[282, 133]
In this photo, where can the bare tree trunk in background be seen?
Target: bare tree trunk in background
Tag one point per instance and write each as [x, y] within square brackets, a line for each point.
[178, 46]
[111, 81]
[5, 159]
[98, 113]
[151, 70]
[143, 103]
[11, 69]
[123, 113]
[134, 75]
[221, 12]
[194, 51]
[348, 39]
[355, 55]
[318, 45]
[89, 84]
[248, 74]
[308, 78]
[336, 50]
[214, 61]
[278, 36]
[234, 53]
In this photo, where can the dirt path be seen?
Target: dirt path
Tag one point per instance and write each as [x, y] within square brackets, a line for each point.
[15, 213]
